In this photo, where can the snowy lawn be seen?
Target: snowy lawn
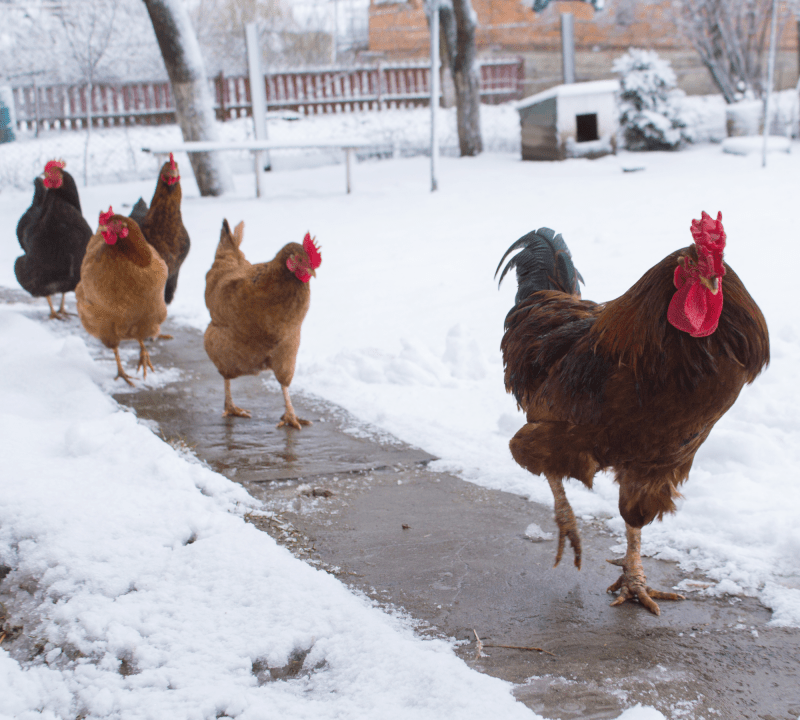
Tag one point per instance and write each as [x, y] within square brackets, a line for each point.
[129, 555]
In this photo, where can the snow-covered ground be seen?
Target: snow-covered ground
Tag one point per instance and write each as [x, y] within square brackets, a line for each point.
[133, 558]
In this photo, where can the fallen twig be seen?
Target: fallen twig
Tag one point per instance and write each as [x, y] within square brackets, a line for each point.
[479, 650]
[521, 647]
[3, 637]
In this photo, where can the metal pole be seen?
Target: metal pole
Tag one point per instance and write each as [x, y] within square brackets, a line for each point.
[258, 98]
[434, 93]
[568, 47]
[770, 78]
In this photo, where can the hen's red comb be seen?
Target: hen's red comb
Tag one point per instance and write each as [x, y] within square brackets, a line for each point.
[106, 216]
[53, 164]
[52, 174]
[171, 162]
[314, 257]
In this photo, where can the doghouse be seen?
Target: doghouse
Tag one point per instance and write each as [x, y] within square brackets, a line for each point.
[567, 121]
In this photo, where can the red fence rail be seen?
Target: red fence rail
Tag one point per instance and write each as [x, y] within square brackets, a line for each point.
[372, 87]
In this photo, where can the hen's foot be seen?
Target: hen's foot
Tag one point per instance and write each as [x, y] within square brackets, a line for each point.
[292, 421]
[120, 372]
[230, 409]
[233, 411]
[632, 585]
[144, 361]
[59, 314]
[567, 525]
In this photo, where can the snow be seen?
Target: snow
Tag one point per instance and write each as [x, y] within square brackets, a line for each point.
[129, 555]
[755, 144]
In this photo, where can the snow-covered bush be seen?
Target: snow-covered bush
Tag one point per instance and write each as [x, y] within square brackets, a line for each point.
[650, 114]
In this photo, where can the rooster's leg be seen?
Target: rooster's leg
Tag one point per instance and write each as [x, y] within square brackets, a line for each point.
[230, 409]
[632, 584]
[144, 360]
[120, 372]
[565, 519]
[290, 417]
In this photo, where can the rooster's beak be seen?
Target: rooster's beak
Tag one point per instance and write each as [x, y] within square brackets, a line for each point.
[711, 283]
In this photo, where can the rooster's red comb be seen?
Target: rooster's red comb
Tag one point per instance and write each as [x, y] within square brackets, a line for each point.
[709, 233]
[709, 237]
[314, 257]
[106, 216]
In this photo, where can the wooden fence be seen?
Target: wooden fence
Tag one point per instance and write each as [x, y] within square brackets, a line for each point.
[372, 87]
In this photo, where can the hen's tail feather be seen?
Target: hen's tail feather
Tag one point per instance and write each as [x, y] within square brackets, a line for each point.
[139, 212]
[545, 263]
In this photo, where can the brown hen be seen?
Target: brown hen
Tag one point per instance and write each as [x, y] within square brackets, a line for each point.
[256, 314]
[121, 291]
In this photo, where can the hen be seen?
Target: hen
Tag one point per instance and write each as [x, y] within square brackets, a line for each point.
[53, 235]
[121, 292]
[256, 313]
[162, 224]
[634, 384]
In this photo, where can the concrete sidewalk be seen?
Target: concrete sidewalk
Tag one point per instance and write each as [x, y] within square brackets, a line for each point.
[454, 557]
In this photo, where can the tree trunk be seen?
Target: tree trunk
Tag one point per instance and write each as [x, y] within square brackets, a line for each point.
[447, 51]
[193, 103]
[465, 74]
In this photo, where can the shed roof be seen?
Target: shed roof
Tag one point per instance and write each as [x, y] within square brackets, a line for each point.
[596, 87]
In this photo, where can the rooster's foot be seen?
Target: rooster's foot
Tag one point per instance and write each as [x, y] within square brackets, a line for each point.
[632, 585]
[292, 421]
[567, 525]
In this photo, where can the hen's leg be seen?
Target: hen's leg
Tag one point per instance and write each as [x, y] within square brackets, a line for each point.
[54, 314]
[144, 360]
[230, 409]
[63, 314]
[289, 417]
[565, 519]
[120, 372]
[632, 584]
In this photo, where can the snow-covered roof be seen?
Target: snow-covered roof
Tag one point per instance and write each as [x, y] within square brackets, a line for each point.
[595, 87]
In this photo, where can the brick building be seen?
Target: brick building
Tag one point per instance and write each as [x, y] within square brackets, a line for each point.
[398, 30]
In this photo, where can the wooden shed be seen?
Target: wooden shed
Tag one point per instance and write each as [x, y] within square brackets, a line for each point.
[566, 121]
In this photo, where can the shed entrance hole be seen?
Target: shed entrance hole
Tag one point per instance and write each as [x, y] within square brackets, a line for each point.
[587, 127]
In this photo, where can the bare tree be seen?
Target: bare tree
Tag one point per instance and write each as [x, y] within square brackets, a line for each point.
[193, 103]
[457, 23]
[88, 26]
[731, 39]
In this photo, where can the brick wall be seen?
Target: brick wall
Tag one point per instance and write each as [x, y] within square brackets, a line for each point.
[399, 30]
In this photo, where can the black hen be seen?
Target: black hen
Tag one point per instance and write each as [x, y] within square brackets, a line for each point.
[53, 235]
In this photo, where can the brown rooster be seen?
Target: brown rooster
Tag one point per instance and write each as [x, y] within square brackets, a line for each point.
[121, 292]
[162, 225]
[256, 313]
[634, 384]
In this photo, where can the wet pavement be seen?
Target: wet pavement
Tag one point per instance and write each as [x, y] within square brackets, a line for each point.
[455, 558]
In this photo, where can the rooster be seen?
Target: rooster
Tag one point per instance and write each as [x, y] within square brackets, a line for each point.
[53, 235]
[121, 292]
[162, 224]
[635, 384]
[256, 314]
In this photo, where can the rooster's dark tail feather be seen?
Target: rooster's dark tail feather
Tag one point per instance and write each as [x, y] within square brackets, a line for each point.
[544, 263]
